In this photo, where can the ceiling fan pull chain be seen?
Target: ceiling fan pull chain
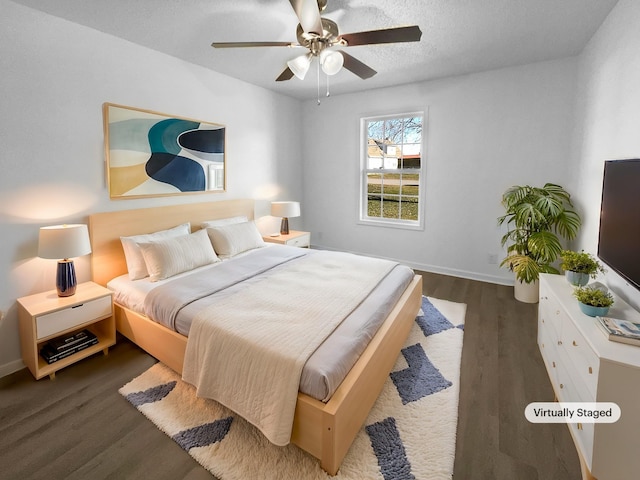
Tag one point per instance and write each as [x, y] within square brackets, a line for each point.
[328, 94]
[318, 79]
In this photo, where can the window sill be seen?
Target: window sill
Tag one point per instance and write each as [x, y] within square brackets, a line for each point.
[391, 224]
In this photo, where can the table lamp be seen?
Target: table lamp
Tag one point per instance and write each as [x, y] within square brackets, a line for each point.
[62, 242]
[285, 210]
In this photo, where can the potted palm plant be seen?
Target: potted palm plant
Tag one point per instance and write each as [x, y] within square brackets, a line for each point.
[593, 301]
[579, 267]
[536, 219]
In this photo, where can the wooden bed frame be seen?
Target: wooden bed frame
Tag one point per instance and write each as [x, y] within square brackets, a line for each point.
[325, 430]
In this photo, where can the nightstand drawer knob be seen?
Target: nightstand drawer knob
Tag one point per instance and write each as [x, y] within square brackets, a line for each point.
[575, 344]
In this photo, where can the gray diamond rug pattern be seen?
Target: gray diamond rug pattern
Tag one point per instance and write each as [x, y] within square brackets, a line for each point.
[410, 432]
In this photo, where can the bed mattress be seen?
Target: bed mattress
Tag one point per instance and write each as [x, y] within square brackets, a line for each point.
[329, 364]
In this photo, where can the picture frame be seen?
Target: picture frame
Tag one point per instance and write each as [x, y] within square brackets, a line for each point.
[152, 154]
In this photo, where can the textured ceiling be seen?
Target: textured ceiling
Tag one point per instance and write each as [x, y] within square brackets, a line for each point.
[459, 36]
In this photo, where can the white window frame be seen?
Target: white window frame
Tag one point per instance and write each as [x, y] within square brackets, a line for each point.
[363, 217]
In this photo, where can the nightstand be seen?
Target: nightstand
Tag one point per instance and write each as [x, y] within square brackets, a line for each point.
[294, 239]
[45, 316]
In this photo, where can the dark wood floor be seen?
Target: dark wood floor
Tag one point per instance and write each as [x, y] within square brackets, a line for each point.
[79, 427]
[502, 372]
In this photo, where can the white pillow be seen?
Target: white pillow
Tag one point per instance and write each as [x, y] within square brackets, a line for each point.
[224, 221]
[135, 261]
[168, 257]
[230, 240]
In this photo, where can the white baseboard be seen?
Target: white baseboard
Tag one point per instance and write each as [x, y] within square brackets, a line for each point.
[498, 280]
[11, 367]
[481, 277]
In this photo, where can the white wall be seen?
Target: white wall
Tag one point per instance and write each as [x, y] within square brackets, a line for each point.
[607, 119]
[485, 132]
[55, 75]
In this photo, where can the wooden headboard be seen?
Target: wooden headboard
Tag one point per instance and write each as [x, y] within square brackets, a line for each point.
[105, 229]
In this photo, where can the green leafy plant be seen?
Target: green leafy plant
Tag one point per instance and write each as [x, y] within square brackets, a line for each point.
[580, 262]
[593, 296]
[536, 219]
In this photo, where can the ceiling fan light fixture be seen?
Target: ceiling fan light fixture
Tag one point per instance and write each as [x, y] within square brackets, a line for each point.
[300, 65]
[331, 61]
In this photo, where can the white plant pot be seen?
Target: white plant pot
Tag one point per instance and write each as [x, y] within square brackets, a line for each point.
[526, 292]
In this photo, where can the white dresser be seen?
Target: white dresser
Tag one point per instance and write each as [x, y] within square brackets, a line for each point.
[584, 366]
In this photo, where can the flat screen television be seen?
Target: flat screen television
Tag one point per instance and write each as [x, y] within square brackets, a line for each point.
[619, 237]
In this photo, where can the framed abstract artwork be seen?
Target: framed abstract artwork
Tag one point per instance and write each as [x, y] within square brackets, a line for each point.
[151, 154]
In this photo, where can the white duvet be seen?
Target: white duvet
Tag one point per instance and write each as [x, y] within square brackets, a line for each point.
[247, 351]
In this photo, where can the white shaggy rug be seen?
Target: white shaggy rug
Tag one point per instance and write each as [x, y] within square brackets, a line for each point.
[409, 434]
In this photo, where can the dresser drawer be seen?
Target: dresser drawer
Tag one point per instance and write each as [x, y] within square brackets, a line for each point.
[571, 387]
[583, 434]
[60, 320]
[570, 390]
[549, 314]
[549, 350]
[584, 360]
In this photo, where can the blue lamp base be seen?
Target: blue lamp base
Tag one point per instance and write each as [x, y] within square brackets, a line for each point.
[66, 278]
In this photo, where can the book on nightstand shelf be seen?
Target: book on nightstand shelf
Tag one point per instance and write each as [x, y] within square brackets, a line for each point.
[619, 330]
[62, 347]
[66, 342]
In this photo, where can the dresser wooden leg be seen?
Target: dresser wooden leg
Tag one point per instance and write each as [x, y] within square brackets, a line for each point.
[586, 474]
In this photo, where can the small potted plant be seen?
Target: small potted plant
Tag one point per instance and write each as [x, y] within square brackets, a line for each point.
[579, 267]
[593, 301]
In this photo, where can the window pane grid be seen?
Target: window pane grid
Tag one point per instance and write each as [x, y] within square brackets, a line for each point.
[392, 168]
[392, 195]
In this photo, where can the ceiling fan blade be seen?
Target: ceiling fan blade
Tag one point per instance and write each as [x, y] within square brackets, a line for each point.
[308, 14]
[356, 66]
[388, 35]
[287, 74]
[252, 44]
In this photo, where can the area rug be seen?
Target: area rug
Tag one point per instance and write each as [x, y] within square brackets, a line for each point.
[410, 432]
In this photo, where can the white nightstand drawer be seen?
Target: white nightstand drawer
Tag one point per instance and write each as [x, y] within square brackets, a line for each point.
[300, 241]
[52, 323]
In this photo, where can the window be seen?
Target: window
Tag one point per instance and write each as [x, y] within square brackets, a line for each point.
[392, 170]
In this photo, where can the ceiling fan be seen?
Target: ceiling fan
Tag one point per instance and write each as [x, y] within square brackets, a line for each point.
[319, 34]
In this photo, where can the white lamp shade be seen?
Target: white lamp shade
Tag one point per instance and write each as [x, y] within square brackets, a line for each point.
[331, 61]
[285, 209]
[300, 65]
[63, 241]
